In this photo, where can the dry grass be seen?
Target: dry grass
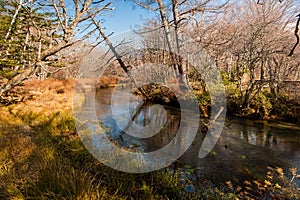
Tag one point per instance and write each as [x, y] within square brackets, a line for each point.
[41, 156]
[49, 95]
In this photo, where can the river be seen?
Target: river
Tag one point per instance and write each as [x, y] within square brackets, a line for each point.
[244, 151]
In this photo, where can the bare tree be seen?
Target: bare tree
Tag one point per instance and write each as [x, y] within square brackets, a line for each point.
[67, 19]
[174, 17]
[296, 29]
[250, 42]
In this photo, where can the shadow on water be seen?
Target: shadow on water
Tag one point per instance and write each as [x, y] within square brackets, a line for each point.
[244, 151]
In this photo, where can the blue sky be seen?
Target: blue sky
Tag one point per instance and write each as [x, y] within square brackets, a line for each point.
[125, 16]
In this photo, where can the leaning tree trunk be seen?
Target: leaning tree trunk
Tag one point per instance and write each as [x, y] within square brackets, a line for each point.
[17, 80]
[119, 59]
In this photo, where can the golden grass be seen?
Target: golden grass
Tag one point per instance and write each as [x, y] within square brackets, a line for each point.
[42, 157]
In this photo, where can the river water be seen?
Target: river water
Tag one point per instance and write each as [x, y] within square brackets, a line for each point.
[244, 151]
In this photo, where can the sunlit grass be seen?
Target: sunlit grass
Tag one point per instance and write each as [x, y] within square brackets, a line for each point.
[275, 185]
[42, 157]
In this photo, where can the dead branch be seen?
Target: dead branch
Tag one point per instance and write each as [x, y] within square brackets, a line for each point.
[118, 56]
[296, 35]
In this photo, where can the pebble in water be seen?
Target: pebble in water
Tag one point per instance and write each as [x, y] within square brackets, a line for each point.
[190, 188]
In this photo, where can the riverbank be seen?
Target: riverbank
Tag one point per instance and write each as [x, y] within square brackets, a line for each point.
[42, 157]
[264, 105]
[267, 107]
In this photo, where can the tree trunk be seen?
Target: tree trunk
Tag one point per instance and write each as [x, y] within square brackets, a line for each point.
[119, 59]
[17, 80]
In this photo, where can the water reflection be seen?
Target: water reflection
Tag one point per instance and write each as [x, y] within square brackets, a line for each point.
[153, 119]
[244, 145]
[277, 136]
[266, 139]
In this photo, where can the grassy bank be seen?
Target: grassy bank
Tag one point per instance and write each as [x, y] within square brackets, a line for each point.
[42, 157]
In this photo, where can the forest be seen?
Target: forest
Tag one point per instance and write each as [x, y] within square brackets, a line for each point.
[219, 76]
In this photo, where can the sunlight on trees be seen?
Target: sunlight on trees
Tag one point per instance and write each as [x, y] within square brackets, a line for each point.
[35, 32]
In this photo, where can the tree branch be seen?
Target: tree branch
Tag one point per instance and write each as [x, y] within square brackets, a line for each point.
[296, 35]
